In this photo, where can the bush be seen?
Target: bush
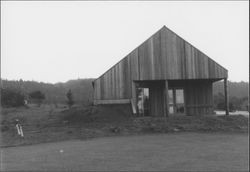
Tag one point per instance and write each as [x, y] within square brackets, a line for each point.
[234, 102]
[11, 98]
[37, 96]
[70, 100]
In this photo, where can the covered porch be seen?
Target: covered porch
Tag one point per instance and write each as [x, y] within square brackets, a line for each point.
[161, 98]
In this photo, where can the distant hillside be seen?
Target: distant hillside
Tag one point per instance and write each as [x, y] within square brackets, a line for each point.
[55, 93]
[83, 92]
[236, 89]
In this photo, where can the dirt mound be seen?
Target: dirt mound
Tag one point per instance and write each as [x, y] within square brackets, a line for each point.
[236, 123]
[98, 114]
[119, 118]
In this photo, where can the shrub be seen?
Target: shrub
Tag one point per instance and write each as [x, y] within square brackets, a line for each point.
[37, 96]
[11, 98]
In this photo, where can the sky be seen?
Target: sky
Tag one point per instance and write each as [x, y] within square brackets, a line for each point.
[61, 40]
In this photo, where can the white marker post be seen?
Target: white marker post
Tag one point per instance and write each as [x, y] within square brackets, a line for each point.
[19, 129]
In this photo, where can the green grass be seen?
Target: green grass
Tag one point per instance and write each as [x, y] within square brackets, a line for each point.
[50, 124]
[155, 152]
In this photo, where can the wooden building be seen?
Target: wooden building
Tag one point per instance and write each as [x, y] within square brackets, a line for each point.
[164, 75]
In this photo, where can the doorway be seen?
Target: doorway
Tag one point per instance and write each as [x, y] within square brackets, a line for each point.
[176, 101]
[143, 101]
[150, 98]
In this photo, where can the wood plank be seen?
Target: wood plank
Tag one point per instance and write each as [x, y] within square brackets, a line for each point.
[166, 102]
[193, 66]
[129, 79]
[157, 66]
[134, 65]
[163, 53]
[156, 100]
[120, 74]
[116, 101]
[113, 84]
[151, 60]
[188, 57]
[117, 93]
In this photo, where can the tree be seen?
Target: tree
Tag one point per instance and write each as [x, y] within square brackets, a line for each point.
[11, 98]
[70, 100]
[37, 96]
[235, 103]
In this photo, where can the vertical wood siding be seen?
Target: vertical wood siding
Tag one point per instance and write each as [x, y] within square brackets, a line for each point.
[156, 99]
[198, 98]
[164, 56]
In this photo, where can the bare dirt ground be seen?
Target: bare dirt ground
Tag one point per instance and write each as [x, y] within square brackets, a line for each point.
[167, 152]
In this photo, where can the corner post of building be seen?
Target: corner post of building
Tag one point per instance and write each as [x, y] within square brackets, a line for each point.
[226, 96]
[166, 106]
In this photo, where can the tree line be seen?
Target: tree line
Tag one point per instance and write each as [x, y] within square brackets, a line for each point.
[80, 91]
[238, 95]
[54, 93]
[13, 98]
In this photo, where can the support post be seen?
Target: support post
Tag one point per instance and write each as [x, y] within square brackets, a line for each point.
[166, 105]
[174, 100]
[226, 96]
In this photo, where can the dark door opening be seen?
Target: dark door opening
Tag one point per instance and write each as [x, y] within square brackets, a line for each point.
[150, 98]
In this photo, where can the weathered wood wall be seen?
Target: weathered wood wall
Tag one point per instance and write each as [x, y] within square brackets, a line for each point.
[156, 100]
[164, 56]
[198, 97]
[115, 83]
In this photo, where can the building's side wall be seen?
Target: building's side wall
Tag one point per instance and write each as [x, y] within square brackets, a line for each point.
[198, 98]
[115, 84]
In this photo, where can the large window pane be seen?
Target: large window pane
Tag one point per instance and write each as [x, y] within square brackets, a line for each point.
[179, 96]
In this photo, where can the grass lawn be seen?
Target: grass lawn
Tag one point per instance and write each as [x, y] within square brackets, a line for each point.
[166, 152]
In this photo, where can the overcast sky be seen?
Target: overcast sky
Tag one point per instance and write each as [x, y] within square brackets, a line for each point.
[62, 40]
